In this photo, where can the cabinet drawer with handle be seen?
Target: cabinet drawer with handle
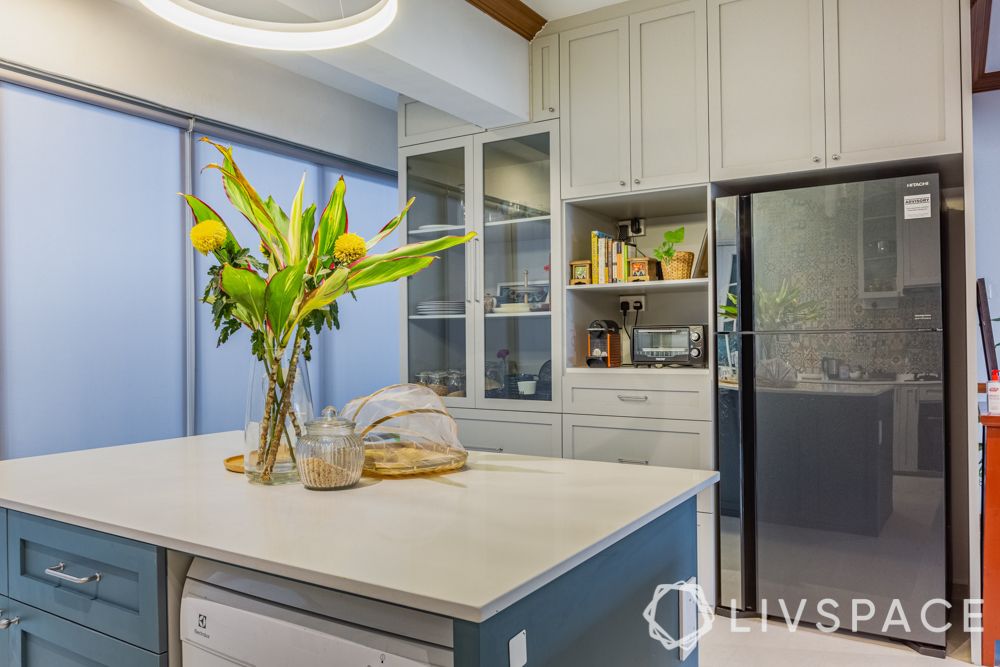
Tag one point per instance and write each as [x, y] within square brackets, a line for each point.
[673, 443]
[30, 637]
[106, 583]
[658, 395]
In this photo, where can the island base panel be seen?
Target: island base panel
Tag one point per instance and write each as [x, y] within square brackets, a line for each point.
[592, 616]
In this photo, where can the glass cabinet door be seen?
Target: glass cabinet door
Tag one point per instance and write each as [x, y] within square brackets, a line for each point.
[436, 298]
[514, 269]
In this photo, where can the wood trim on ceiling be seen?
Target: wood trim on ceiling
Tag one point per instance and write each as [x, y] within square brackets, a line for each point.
[982, 80]
[514, 14]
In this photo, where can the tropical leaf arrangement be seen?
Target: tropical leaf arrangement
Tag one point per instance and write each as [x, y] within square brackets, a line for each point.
[288, 292]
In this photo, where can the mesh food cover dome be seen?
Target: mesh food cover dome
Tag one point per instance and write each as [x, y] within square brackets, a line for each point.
[407, 431]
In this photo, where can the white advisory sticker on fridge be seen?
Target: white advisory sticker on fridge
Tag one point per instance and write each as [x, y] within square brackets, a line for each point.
[916, 206]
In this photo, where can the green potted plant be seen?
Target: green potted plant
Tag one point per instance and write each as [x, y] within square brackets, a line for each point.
[675, 264]
[284, 292]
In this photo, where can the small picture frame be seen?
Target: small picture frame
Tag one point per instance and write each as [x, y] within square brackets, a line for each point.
[579, 272]
[642, 269]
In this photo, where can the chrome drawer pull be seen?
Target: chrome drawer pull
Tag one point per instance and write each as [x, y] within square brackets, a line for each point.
[633, 462]
[498, 450]
[633, 399]
[7, 622]
[56, 571]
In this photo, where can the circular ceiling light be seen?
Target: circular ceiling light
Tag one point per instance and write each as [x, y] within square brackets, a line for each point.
[275, 36]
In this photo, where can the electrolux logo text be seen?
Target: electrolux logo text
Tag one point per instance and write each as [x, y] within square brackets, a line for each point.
[202, 629]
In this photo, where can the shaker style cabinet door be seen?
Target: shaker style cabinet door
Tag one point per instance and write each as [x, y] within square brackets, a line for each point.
[669, 96]
[545, 78]
[891, 99]
[594, 82]
[766, 86]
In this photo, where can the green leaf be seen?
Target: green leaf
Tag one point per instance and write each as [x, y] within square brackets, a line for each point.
[277, 215]
[295, 224]
[246, 288]
[308, 224]
[280, 295]
[326, 293]
[674, 236]
[412, 250]
[388, 271]
[202, 212]
[391, 225]
[246, 200]
[333, 221]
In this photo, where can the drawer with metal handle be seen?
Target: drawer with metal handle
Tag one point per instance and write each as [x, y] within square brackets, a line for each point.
[684, 394]
[30, 636]
[107, 583]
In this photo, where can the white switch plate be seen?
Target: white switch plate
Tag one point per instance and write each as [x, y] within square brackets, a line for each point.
[687, 617]
[518, 649]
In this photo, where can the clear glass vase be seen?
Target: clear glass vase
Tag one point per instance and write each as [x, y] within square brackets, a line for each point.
[269, 452]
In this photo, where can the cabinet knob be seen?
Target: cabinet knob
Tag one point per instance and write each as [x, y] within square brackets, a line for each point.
[637, 181]
[7, 622]
[836, 156]
[622, 183]
[817, 158]
[552, 109]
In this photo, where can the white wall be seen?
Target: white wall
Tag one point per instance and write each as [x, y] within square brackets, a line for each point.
[107, 44]
[986, 122]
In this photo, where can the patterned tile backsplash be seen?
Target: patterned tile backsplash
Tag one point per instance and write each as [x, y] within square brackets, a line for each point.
[811, 240]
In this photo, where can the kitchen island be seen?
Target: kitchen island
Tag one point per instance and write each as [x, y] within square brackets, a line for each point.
[568, 551]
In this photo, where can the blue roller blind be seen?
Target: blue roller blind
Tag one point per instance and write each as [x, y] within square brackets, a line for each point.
[91, 276]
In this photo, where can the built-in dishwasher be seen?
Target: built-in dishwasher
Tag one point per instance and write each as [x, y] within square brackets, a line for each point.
[232, 616]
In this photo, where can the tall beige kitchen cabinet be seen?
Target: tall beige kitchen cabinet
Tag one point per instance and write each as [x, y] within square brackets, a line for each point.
[765, 60]
[898, 98]
[668, 96]
[593, 90]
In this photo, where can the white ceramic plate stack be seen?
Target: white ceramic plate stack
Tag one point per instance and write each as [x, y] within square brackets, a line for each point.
[440, 308]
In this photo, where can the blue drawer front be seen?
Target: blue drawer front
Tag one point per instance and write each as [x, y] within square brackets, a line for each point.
[43, 640]
[5, 635]
[3, 555]
[127, 602]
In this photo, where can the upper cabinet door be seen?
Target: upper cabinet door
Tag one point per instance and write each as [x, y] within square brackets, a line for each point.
[593, 82]
[545, 78]
[669, 96]
[766, 85]
[892, 98]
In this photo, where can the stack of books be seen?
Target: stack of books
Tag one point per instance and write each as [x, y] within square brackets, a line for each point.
[609, 258]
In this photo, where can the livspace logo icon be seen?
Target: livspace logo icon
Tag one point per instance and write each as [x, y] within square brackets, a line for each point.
[689, 635]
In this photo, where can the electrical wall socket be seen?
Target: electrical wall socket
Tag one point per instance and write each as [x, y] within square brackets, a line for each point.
[631, 299]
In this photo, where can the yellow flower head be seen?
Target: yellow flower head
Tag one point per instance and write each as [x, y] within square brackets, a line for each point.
[348, 248]
[208, 235]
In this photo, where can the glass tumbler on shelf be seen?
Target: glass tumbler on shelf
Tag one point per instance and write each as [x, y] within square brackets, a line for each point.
[330, 454]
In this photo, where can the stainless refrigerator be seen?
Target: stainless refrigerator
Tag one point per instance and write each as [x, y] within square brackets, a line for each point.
[830, 396]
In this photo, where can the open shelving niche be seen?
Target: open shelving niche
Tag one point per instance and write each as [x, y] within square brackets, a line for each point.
[667, 301]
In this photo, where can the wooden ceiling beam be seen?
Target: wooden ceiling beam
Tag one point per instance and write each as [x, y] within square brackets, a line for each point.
[982, 80]
[514, 14]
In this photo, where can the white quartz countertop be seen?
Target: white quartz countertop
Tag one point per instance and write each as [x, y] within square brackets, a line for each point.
[465, 545]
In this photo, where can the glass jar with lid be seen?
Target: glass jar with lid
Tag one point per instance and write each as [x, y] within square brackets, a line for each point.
[330, 454]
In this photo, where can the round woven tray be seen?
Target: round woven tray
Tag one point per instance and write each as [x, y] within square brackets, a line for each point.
[404, 459]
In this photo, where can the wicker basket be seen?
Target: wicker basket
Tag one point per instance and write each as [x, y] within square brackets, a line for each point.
[678, 268]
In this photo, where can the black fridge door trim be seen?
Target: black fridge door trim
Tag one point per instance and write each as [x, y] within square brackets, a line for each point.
[744, 222]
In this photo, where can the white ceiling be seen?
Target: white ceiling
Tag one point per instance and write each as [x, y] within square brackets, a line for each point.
[560, 9]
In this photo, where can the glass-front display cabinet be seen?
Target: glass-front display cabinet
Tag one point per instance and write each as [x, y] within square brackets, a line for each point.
[480, 328]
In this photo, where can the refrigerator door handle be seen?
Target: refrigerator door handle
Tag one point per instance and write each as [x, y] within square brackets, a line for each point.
[880, 432]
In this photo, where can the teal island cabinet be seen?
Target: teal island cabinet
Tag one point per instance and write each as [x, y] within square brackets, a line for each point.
[515, 561]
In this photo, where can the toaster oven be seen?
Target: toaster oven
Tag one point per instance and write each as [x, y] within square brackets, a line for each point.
[673, 345]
